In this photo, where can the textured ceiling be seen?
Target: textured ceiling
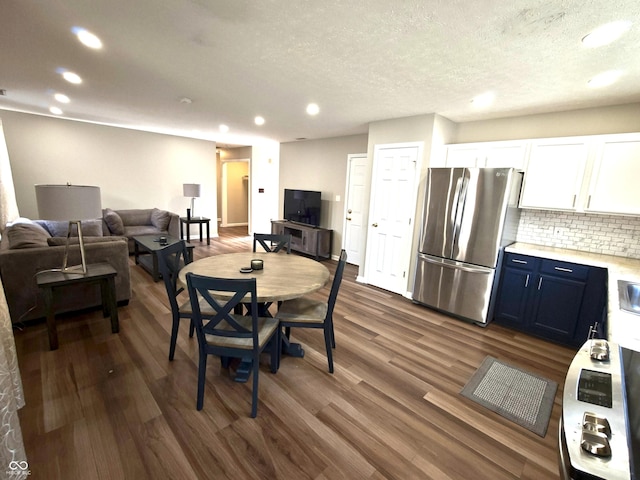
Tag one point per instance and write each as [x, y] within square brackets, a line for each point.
[361, 61]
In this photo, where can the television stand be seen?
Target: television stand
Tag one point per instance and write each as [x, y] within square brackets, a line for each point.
[306, 239]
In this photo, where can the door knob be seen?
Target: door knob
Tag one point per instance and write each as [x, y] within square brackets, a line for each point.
[374, 224]
[349, 218]
[349, 211]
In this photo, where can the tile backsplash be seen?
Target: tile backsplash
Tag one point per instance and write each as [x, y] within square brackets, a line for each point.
[607, 234]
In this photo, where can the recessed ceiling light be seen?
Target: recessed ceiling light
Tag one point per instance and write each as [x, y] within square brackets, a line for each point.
[483, 100]
[313, 109]
[55, 110]
[186, 100]
[606, 34]
[87, 38]
[259, 120]
[61, 97]
[71, 77]
[223, 128]
[605, 79]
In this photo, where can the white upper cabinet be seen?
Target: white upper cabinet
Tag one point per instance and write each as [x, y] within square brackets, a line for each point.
[487, 154]
[615, 178]
[554, 173]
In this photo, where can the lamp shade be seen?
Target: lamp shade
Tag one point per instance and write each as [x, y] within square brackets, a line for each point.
[68, 202]
[191, 189]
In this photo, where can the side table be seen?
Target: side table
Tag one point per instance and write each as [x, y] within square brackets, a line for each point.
[193, 220]
[102, 273]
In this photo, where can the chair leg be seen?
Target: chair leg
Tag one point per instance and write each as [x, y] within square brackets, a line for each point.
[202, 369]
[192, 328]
[174, 336]
[275, 351]
[254, 393]
[327, 344]
[333, 336]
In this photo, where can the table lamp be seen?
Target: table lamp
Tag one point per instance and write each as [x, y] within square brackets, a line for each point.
[191, 190]
[73, 203]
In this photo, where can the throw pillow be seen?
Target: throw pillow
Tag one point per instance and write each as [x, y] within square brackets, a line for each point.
[26, 235]
[59, 228]
[114, 222]
[160, 219]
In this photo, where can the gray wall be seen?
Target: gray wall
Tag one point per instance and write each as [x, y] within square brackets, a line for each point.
[133, 169]
[321, 165]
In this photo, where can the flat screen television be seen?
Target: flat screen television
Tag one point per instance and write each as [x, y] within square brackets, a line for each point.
[302, 206]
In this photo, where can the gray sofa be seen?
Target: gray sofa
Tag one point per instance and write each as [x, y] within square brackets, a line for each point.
[149, 221]
[28, 247]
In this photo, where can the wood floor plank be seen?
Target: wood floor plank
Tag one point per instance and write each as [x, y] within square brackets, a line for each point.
[112, 406]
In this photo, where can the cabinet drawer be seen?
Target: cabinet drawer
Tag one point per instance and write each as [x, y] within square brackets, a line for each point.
[564, 269]
[515, 260]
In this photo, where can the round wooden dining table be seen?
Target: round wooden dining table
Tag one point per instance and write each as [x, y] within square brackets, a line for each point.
[282, 277]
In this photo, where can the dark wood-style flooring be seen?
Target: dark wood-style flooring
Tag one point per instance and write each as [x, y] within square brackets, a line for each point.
[111, 406]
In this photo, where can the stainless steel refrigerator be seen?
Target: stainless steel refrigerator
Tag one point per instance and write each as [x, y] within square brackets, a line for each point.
[469, 216]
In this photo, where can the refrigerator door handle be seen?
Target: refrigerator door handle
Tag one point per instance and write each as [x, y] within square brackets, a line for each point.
[460, 196]
[443, 262]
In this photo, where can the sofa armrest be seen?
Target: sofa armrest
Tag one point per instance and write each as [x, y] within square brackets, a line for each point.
[18, 269]
[174, 225]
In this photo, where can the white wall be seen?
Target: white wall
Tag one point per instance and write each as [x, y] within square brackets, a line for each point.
[320, 165]
[133, 169]
[263, 186]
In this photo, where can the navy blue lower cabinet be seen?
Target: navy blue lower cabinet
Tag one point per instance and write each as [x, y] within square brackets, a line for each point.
[550, 299]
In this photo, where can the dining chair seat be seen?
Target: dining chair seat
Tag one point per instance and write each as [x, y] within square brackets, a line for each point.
[303, 310]
[266, 328]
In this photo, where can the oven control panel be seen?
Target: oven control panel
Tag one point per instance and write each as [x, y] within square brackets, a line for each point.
[594, 409]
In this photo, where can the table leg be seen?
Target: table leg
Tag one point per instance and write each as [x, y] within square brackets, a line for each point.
[200, 225]
[290, 348]
[51, 319]
[113, 305]
[136, 252]
[181, 230]
[208, 236]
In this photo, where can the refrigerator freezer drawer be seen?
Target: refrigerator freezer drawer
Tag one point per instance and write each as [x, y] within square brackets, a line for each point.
[459, 288]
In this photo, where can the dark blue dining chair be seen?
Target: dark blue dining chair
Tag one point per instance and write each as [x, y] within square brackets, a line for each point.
[306, 312]
[272, 242]
[227, 334]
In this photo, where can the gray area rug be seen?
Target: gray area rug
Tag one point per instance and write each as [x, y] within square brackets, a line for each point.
[520, 396]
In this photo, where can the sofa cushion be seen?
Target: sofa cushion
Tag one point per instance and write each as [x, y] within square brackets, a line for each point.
[57, 241]
[26, 235]
[160, 219]
[114, 222]
[136, 216]
[136, 230]
[59, 228]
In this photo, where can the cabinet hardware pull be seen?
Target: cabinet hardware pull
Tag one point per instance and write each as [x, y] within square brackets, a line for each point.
[518, 261]
[539, 283]
[526, 282]
[560, 269]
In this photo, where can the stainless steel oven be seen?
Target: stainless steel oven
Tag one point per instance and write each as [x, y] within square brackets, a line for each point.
[599, 433]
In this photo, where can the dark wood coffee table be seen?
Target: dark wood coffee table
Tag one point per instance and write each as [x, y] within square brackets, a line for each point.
[145, 251]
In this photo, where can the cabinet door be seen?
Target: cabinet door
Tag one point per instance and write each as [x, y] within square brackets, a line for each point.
[615, 179]
[554, 173]
[463, 156]
[557, 307]
[512, 301]
[505, 155]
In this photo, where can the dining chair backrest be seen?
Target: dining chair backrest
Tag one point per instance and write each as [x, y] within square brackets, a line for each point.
[170, 260]
[267, 241]
[223, 323]
[337, 280]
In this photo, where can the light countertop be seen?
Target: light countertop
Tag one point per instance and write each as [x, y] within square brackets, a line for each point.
[623, 327]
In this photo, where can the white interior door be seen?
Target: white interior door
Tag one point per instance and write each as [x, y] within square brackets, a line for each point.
[391, 216]
[354, 207]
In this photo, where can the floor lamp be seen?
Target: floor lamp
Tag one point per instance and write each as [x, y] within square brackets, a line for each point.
[72, 203]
